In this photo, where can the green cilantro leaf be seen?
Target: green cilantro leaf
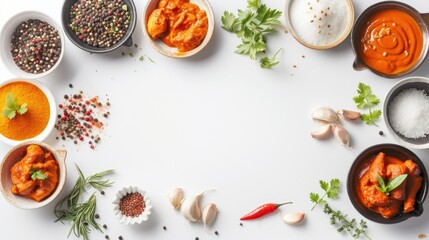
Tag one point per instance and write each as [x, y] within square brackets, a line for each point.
[250, 26]
[37, 174]
[366, 100]
[268, 63]
[331, 191]
[12, 107]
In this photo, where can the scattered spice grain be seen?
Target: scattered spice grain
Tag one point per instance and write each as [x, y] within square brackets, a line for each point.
[106, 237]
[165, 228]
[216, 233]
[422, 235]
[104, 226]
[381, 133]
[97, 216]
[120, 238]
[70, 85]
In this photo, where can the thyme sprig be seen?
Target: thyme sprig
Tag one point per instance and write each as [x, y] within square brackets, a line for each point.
[82, 214]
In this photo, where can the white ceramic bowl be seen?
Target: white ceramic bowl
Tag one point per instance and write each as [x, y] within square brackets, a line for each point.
[420, 83]
[161, 47]
[144, 216]
[340, 39]
[15, 155]
[5, 41]
[52, 118]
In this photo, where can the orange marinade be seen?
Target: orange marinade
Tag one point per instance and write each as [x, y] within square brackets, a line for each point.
[179, 23]
[31, 123]
[392, 42]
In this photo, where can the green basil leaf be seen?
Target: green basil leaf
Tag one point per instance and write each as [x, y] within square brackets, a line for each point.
[395, 182]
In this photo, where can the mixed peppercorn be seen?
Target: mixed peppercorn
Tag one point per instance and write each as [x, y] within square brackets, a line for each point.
[100, 23]
[132, 205]
[35, 46]
[82, 118]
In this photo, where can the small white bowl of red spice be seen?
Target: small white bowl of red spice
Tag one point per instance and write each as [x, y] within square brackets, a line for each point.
[31, 45]
[173, 36]
[27, 111]
[132, 205]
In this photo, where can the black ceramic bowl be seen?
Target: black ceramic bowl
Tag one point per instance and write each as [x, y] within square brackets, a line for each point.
[359, 164]
[125, 41]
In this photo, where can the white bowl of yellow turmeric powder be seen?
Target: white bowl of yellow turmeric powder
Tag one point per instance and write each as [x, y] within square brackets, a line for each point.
[28, 111]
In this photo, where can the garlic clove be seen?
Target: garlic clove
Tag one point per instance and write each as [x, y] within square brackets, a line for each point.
[341, 135]
[209, 214]
[322, 131]
[293, 218]
[325, 114]
[175, 197]
[349, 115]
[191, 209]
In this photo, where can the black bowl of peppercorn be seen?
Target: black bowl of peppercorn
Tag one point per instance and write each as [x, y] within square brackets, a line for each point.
[31, 44]
[99, 26]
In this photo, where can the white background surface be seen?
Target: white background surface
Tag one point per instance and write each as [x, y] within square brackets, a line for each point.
[214, 121]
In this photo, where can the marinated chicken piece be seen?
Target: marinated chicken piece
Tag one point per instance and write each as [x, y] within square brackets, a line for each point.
[377, 167]
[372, 197]
[414, 184]
[393, 171]
[391, 210]
[157, 23]
[35, 160]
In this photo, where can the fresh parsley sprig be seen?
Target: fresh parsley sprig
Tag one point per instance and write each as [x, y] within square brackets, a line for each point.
[355, 229]
[268, 63]
[331, 191]
[391, 185]
[12, 107]
[367, 100]
[251, 25]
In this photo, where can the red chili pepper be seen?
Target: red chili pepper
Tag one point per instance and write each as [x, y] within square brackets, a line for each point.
[262, 211]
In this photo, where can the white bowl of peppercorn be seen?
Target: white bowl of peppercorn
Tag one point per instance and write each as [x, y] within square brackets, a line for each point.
[132, 205]
[31, 45]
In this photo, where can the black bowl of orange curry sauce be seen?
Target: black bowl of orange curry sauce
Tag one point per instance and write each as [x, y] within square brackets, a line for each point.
[361, 165]
[74, 37]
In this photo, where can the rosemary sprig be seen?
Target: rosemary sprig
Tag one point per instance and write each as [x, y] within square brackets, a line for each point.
[81, 215]
[351, 226]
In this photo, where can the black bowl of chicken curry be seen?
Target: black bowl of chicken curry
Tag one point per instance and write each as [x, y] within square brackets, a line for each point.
[387, 183]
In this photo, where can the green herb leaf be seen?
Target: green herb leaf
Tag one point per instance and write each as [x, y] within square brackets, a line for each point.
[268, 63]
[391, 185]
[37, 174]
[228, 21]
[12, 107]
[250, 26]
[331, 191]
[366, 100]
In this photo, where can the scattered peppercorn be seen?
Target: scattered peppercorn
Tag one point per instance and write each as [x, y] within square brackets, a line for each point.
[197, 238]
[70, 85]
[35, 46]
[165, 228]
[106, 237]
[216, 233]
[102, 192]
[79, 117]
[104, 226]
[241, 224]
[381, 133]
[97, 216]
[120, 238]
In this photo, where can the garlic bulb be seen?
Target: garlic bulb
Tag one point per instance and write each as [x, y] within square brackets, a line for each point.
[191, 208]
[325, 114]
[349, 115]
[293, 218]
[342, 135]
[209, 214]
[175, 197]
[322, 132]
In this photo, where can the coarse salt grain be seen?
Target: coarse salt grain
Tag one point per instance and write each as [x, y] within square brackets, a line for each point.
[319, 22]
[409, 113]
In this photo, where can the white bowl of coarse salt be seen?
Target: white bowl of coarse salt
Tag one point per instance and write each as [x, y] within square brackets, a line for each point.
[406, 112]
[319, 24]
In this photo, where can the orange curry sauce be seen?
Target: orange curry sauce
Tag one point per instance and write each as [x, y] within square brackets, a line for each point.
[402, 198]
[392, 42]
[179, 23]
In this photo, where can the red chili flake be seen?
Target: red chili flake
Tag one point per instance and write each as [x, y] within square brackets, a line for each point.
[132, 205]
